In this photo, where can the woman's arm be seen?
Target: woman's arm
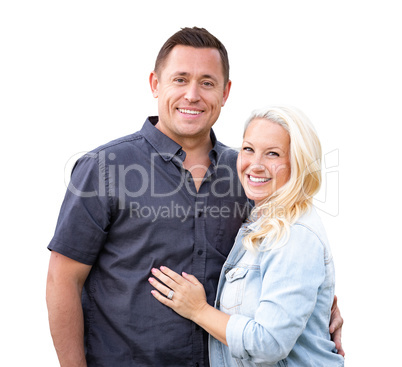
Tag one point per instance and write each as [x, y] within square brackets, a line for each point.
[189, 300]
[288, 297]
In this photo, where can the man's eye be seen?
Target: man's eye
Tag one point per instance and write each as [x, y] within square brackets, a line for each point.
[208, 84]
[179, 80]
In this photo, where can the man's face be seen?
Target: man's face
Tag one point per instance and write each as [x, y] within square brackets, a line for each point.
[190, 91]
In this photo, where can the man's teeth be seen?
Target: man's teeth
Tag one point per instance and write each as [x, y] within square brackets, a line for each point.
[191, 112]
[256, 179]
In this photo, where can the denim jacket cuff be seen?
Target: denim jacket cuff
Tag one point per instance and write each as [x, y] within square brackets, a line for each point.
[234, 336]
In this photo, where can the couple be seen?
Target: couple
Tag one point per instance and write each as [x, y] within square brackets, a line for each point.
[276, 285]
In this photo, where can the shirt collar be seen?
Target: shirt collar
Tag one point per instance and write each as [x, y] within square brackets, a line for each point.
[216, 150]
[168, 148]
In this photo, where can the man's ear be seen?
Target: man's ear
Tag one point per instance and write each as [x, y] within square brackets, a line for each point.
[226, 92]
[154, 83]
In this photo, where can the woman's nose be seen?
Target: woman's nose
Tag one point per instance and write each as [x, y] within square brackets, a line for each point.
[257, 167]
[255, 162]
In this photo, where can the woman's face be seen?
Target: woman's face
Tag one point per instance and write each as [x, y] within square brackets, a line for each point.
[263, 164]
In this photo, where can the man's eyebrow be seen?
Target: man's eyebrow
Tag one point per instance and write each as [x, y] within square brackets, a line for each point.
[185, 73]
[208, 76]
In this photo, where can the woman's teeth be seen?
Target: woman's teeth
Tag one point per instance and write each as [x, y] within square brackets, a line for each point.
[256, 179]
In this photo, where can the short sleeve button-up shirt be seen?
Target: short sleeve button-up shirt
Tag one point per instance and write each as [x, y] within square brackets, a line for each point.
[131, 206]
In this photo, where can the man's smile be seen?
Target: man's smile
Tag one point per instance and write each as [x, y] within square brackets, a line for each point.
[189, 112]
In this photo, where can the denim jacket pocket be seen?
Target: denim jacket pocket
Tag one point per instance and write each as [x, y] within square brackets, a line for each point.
[235, 273]
[281, 363]
[233, 290]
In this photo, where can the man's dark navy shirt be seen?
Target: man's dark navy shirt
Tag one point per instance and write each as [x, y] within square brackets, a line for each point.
[131, 206]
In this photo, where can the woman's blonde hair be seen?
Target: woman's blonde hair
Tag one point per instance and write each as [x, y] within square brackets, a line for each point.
[274, 216]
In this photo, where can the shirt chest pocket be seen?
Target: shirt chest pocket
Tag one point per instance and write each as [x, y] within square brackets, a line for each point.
[233, 290]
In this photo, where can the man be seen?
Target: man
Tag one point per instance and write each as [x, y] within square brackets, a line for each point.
[167, 194]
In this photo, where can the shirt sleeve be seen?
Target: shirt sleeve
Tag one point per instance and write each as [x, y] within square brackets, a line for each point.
[85, 213]
[292, 275]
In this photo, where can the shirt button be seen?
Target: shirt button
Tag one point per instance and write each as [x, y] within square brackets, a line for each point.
[227, 271]
[218, 303]
[180, 153]
[200, 252]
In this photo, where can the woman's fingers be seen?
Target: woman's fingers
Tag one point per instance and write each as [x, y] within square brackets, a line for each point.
[172, 275]
[177, 278]
[159, 286]
[184, 294]
[170, 280]
[191, 278]
[169, 277]
[164, 278]
[162, 299]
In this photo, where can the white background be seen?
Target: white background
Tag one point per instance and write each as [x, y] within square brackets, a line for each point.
[74, 75]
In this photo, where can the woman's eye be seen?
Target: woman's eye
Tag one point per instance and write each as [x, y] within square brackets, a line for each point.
[247, 149]
[273, 154]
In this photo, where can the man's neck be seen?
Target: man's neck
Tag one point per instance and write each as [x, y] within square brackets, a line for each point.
[194, 146]
[197, 159]
[200, 146]
[197, 150]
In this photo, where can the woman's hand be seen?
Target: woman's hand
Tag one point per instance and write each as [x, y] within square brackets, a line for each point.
[189, 300]
[189, 297]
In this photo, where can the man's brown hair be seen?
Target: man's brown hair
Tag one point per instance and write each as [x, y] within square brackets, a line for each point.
[194, 37]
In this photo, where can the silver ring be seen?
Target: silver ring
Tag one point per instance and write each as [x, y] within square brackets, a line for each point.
[170, 295]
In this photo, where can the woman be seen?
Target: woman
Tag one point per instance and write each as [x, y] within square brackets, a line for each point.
[277, 286]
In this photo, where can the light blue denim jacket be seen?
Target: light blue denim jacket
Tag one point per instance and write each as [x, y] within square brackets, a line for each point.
[279, 301]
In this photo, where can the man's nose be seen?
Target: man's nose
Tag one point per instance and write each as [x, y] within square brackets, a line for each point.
[192, 93]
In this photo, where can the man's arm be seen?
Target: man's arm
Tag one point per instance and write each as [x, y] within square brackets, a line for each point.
[65, 281]
[335, 327]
